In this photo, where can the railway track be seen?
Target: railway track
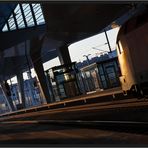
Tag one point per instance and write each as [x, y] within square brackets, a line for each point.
[85, 110]
[120, 126]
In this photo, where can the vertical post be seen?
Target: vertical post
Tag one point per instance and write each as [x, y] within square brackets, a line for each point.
[88, 61]
[29, 75]
[31, 88]
[21, 88]
[12, 92]
[50, 86]
[107, 41]
[35, 53]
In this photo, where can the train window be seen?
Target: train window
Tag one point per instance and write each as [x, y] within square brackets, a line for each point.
[118, 50]
[119, 47]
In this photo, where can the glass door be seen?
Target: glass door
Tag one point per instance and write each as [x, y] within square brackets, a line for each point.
[111, 76]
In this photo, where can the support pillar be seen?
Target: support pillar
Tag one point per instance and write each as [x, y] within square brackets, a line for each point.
[64, 55]
[71, 87]
[20, 81]
[35, 53]
[31, 87]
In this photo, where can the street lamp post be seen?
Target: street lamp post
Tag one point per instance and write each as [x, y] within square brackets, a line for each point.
[88, 61]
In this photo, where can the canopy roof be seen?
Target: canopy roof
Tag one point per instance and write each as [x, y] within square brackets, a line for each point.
[64, 22]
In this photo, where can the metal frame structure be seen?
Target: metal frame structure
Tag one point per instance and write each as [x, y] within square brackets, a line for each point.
[23, 16]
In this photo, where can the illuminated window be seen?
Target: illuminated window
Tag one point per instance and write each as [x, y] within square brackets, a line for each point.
[119, 47]
[26, 14]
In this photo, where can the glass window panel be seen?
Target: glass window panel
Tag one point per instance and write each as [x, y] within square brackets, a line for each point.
[11, 23]
[30, 21]
[104, 84]
[5, 28]
[28, 15]
[103, 78]
[41, 21]
[25, 7]
[12, 26]
[17, 9]
[20, 23]
[38, 14]
[100, 70]
[19, 17]
[87, 74]
[10, 19]
[36, 5]
[36, 8]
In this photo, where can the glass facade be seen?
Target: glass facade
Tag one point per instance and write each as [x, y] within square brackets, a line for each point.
[65, 81]
[102, 75]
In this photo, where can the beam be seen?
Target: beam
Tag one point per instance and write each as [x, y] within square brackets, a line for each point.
[17, 36]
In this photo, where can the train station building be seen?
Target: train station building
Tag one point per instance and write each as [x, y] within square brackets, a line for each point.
[34, 33]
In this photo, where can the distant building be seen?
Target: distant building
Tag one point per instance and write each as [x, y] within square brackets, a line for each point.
[96, 59]
[31, 91]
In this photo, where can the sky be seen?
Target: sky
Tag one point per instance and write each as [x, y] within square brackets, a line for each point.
[83, 47]
[86, 46]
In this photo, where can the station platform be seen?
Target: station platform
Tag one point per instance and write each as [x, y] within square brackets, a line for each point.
[98, 93]
[90, 97]
[106, 105]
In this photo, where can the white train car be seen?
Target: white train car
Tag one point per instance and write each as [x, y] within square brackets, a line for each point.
[132, 49]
